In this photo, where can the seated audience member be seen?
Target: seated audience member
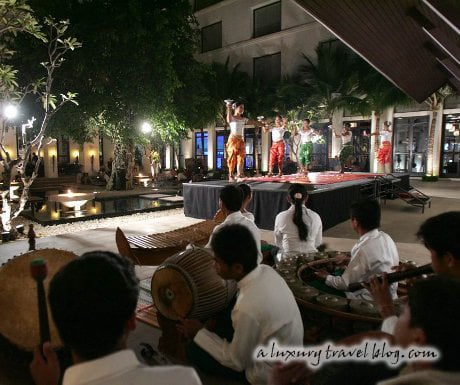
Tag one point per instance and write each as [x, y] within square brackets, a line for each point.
[431, 318]
[298, 228]
[230, 203]
[92, 301]
[247, 197]
[374, 253]
[265, 309]
[441, 236]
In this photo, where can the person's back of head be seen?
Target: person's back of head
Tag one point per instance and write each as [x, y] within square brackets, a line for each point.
[92, 299]
[235, 244]
[442, 234]
[434, 306]
[297, 195]
[367, 213]
[232, 197]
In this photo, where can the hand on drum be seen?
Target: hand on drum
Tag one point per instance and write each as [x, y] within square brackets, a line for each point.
[290, 373]
[380, 290]
[45, 370]
[189, 327]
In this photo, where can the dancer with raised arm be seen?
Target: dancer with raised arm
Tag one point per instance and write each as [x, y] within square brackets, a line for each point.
[384, 151]
[278, 146]
[306, 145]
[347, 147]
[236, 150]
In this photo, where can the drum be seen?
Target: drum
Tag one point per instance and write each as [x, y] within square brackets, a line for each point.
[187, 285]
[287, 135]
[19, 324]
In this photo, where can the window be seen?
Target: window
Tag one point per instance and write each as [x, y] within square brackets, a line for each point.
[211, 37]
[267, 69]
[200, 4]
[220, 149]
[198, 144]
[267, 19]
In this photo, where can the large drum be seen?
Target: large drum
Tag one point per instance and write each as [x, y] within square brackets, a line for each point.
[187, 285]
[19, 324]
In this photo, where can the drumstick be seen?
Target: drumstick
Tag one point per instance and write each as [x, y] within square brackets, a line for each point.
[397, 276]
[39, 271]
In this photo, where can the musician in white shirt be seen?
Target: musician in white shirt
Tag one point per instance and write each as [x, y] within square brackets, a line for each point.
[265, 310]
[93, 301]
[298, 228]
[374, 253]
[278, 146]
[230, 204]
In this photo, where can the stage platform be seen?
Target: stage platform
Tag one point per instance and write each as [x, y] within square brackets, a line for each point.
[330, 195]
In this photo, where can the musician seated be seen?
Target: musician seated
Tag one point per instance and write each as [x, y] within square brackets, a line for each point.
[265, 309]
[247, 197]
[374, 253]
[93, 300]
[230, 204]
[429, 319]
[441, 236]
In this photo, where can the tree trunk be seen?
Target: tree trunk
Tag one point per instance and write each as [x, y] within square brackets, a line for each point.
[430, 148]
[118, 177]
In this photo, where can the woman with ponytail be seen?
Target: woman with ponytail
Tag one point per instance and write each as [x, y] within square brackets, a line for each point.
[298, 228]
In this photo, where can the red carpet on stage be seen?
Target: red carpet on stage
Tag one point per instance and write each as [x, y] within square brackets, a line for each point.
[317, 178]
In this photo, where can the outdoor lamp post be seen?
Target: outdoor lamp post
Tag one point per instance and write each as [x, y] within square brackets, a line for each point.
[146, 128]
[10, 111]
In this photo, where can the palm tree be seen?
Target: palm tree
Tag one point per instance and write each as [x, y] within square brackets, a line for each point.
[435, 101]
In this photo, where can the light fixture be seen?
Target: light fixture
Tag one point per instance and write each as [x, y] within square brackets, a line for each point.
[450, 127]
[457, 133]
[146, 128]
[10, 111]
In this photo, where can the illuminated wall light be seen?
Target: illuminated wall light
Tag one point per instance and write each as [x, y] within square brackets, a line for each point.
[457, 133]
[450, 127]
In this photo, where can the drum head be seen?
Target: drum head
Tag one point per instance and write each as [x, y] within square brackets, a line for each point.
[286, 135]
[19, 322]
[172, 292]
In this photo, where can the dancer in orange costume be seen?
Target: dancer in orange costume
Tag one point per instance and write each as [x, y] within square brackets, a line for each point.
[236, 150]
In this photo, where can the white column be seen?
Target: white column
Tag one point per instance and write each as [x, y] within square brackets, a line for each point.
[265, 150]
[337, 123]
[90, 157]
[437, 145]
[187, 149]
[372, 154]
[168, 157]
[211, 147]
[107, 150]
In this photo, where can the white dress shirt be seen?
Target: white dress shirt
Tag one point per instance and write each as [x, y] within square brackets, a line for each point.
[375, 253]
[287, 233]
[264, 310]
[249, 215]
[237, 218]
[123, 367]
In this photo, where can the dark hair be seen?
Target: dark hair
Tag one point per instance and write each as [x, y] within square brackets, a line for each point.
[237, 104]
[232, 197]
[367, 213]
[91, 299]
[246, 189]
[347, 125]
[306, 120]
[442, 233]
[435, 307]
[235, 244]
[297, 188]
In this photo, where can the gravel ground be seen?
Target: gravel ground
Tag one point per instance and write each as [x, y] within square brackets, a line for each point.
[46, 231]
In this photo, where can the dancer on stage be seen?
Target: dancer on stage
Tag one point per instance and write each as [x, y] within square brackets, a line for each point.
[347, 147]
[306, 145]
[384, 151]
[236, 150]
[278, 146]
